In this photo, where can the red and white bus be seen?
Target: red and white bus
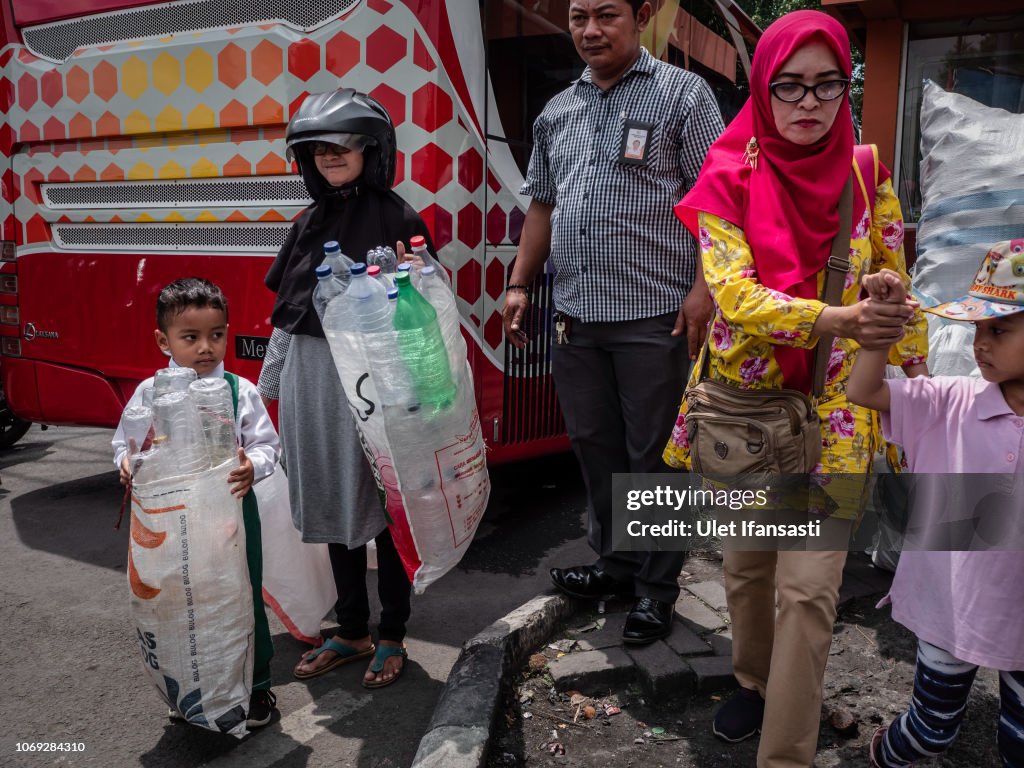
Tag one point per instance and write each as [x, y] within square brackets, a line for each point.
[143, 142]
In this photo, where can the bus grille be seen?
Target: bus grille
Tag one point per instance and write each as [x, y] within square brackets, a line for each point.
[263, 190]
[530, 410]
[244, 238]
[58, 40]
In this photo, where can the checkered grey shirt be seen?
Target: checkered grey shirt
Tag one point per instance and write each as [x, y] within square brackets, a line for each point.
[618, 250]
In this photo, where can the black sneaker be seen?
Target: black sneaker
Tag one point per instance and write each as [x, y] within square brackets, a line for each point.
[740, 717]
[261, 709]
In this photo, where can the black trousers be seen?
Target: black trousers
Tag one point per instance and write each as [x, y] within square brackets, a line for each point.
[393, 588]
[619, 386]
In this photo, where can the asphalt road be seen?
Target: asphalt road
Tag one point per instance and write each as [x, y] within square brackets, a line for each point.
[70, 663]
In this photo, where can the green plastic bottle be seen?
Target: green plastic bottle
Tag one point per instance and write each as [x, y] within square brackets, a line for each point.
[422, 346]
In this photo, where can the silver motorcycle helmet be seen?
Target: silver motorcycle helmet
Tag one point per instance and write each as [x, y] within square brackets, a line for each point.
[348, 118]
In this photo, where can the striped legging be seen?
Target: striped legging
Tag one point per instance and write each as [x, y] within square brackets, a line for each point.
[929, 727]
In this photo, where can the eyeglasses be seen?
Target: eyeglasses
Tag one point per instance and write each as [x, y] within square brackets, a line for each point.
[830, 90]
[323, 147]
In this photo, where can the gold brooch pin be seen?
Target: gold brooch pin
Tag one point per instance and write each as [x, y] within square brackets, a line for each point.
[751, 152]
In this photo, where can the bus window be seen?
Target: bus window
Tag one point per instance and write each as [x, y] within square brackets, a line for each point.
[530, 58]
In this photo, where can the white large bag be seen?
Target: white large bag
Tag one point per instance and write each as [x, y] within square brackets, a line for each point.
[430, 466]
[190, 596]
[972, 192]
[298, 583]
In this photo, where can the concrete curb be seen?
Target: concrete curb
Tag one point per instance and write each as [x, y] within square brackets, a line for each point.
[460, 730]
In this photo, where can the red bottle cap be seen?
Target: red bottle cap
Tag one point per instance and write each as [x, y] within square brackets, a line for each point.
[418, 241]
[373, 270]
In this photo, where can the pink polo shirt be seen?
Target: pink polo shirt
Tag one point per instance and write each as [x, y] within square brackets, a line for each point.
[967, 603]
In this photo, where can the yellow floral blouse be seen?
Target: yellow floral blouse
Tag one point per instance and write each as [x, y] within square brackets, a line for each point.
[750, 320]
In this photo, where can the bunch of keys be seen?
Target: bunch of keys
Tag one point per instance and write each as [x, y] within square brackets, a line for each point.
[563, 326]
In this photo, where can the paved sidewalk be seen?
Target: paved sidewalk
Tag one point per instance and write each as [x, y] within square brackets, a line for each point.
[696, 657]
[574, 650]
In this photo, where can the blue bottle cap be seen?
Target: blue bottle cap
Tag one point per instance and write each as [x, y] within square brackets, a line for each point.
[392, 293]
[427, 271]
[332, 246]
[404, 267]
[324, 270]
[358, 269]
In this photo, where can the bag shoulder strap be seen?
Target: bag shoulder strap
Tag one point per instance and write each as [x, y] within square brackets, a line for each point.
[232, 380]
[865, 166]
[837, 267]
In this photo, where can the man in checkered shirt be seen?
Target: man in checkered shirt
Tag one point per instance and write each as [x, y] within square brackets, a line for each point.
[612, 155]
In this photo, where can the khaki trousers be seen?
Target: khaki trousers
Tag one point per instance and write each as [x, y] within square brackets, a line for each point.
[781, 650]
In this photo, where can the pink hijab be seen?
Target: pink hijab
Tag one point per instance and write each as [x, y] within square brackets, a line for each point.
[788, 206]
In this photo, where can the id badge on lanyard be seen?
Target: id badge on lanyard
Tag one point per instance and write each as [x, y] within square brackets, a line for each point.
[634, 147]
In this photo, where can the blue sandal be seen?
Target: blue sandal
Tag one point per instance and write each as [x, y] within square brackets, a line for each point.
[346, 653]
[384, 652]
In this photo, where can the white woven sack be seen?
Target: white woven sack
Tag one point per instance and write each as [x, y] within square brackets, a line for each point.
[972, 190]
[298, 583]
[190, 596]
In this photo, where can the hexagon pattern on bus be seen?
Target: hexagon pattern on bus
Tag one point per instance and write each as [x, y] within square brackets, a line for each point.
[214, 104]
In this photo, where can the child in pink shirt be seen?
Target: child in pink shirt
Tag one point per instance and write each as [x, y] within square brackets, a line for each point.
[960, 604]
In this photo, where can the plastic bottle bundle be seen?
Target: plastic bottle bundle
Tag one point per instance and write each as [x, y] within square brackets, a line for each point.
[412, 392]
[179, 445]
[363, 315]
[172, 380]
[422, 346]
[216, 414]
[383, 257]
[327, 287]
[419, 249]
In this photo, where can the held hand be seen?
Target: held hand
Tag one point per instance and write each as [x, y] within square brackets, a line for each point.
[126, 471]
[512, 316]
[885, 285]
[875, 324]
[126, 467]
[241, 477]
[693, 318]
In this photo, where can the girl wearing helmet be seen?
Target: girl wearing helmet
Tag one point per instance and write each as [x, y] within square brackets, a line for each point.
[344, 144]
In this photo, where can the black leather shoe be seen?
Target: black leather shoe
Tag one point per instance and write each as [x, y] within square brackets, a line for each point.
[740, 717]
[588, 581]
[649, 620]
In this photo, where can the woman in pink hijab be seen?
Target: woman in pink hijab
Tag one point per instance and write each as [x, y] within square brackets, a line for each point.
[765, 211]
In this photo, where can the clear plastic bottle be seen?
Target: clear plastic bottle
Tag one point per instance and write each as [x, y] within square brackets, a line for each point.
[168, 380]
[384, 257]
[337, 261]
[365, 305]
[419, 248]
[212, 397]
[441, 299]
[327, 287]
[374, 272]
[178, 435]
[137, 427]
[422, 346]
